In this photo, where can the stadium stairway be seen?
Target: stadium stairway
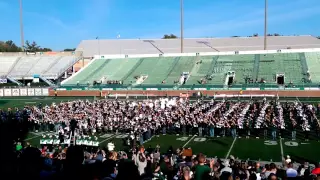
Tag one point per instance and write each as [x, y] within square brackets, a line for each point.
[15, 63]
[161, 70]
[145, 68]
[51, 65]
[14, 81]
[304, 65]
[35, 65]
[97, 73]
[130, 72]
[48, 81]
[202, 68]
[256, 66]
[124, 65]
[183, 64]
[313, 62]
[84, 72]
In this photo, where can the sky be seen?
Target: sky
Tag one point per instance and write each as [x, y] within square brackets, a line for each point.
[60, 24]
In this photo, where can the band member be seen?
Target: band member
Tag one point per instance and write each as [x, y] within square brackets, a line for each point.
[293, 129]
[273, 130]
[211, 128]
[61, 135]
[36, 125]
[73, 125]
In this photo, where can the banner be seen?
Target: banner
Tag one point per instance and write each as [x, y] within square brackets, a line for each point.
[152, 89]
[312, 89]
[1, 92]
[15, 92]
[252, 89]
[38, 92]
[199, 89]
[23, 92]
[45, 92]
[7, 92]
[295, 89]
[184, 95]
[218, 88]
[30, 92]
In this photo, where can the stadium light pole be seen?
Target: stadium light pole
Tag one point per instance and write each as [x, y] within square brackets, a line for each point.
[98, 38]
[181, 24]
[265, 23]
[21, 26]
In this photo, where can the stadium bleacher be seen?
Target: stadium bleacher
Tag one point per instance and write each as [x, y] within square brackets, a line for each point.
[287, 63]
[6, 65]
[20, 67]
[168, 70]
[91, 48]
[313, 62]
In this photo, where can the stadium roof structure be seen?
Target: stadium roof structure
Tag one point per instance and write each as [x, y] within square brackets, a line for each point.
[162, 46]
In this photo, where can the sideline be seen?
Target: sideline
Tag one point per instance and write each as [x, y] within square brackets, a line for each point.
[189, 141]
[108, 138]
[281, 148]
[231, 147]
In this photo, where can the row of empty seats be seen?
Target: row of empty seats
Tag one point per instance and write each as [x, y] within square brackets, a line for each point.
[313, 62]
[46, 66]
[6, 64]
[212, 69]
[287, 63]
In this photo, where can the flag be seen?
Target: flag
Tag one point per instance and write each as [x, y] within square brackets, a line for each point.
[118, 36]
[97, 37]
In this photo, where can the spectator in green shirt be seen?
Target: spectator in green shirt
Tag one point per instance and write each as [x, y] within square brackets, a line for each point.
[18, 146]
[202, 170]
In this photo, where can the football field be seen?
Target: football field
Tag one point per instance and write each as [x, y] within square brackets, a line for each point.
[221, 147]
[242, 148]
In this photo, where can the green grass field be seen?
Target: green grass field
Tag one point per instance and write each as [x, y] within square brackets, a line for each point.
[221, 147]
[254, 149]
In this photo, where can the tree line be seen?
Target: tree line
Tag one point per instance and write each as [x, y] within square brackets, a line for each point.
[10, 46]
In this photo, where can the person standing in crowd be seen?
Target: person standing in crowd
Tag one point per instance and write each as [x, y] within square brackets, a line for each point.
[140, 160]
[202, 170]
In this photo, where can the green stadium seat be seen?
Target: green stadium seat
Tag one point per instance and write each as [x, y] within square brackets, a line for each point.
[287, 63]
[313, 62]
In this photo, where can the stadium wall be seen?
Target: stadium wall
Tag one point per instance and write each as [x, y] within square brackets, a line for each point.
[11, 92]
[122, 56]
[184, 93]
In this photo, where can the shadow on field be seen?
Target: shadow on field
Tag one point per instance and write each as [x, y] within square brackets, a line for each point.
[220, 142]
[301, 159]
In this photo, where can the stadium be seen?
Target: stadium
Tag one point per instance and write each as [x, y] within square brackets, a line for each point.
[262, 99]
[155, 68]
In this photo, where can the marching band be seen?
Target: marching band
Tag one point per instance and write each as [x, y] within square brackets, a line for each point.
[142, 119]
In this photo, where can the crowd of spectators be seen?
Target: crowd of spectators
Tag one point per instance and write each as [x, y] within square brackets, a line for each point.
[74, 163]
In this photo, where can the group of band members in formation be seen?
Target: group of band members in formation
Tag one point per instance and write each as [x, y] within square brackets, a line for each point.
[142, 119]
